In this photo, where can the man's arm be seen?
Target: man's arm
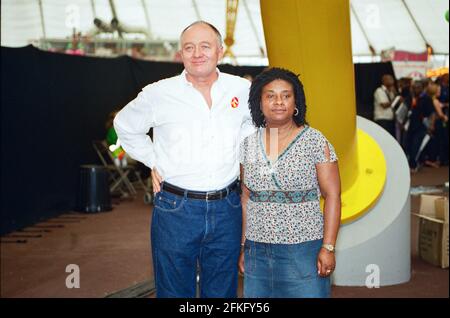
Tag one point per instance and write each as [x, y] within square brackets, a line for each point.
[381, 98]
[132, 124]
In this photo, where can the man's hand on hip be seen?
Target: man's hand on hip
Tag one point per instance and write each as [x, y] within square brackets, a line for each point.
[156, 180]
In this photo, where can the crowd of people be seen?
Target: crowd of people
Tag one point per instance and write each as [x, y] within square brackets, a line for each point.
[416, 115]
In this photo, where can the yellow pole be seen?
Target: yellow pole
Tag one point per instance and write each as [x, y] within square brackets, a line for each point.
[313, 39]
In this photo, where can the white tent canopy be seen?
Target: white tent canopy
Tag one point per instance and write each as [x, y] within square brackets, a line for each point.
[406, 25]
[381, 24]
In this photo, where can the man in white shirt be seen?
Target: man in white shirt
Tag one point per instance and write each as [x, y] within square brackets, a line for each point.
[198, 120]
[383, 98]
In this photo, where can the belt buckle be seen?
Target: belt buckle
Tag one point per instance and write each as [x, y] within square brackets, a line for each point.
[209, 193]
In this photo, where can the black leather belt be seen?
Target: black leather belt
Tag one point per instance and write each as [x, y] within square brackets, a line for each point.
[201, 195]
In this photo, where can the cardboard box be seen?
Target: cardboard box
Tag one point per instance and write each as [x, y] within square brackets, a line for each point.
[441, 209]
[433, 229]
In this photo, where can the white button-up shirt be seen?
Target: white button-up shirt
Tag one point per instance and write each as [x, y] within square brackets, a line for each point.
[194, 147]
[381, 96]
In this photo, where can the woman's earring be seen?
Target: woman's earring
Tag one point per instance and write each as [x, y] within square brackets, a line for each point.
[296, 112]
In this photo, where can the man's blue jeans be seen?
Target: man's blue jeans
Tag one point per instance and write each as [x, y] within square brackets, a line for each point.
[186, 232]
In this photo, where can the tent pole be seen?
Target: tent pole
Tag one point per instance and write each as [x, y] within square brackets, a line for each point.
[147, 19]
[416, 25]
[197, 12]
[93, 9]
[41, 13]
[361, 26]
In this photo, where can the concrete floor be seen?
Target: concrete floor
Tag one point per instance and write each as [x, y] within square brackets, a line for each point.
[112, 252]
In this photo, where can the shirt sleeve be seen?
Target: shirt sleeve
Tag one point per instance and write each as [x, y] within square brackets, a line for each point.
[132, 124]
[323, 150]
[247, 127]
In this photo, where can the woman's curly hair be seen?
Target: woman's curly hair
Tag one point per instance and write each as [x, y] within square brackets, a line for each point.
[266, 77]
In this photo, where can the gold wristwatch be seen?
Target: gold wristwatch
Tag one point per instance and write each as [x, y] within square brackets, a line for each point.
[328, 247]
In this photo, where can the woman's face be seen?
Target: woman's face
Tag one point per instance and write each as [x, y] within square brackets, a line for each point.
[278, 102]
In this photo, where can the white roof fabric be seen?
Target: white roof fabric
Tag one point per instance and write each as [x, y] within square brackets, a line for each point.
[384, 24]
[406, 25]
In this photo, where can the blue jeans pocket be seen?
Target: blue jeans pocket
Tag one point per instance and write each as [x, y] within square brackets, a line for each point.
[167, 202]
[234, 200]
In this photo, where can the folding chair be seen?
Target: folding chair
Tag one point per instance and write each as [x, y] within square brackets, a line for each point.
[119, 177]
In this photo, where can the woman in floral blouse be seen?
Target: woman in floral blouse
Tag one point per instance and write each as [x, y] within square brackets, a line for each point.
[286, 166]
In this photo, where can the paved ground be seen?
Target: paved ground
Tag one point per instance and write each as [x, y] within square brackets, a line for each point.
[112, 252]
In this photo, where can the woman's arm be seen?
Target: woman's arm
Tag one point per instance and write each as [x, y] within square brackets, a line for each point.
[438, 108]
[330, 187]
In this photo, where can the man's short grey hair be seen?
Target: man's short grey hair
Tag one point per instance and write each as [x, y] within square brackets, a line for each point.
[219, 36]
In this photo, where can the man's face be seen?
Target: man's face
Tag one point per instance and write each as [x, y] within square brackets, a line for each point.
[388, 80]
[200, 50]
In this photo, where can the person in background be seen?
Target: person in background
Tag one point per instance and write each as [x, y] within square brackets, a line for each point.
[443, 97]
[411, 103]
[383, 98]
[404, 87]
[437, 126]
[421, 127]
[442, 126]
[286, 166]
[75, 47]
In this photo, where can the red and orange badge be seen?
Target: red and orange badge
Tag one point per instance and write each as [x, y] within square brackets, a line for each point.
[234, 102]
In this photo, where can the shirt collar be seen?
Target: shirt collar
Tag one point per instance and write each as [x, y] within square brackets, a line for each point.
[386, 90]
[186, 82]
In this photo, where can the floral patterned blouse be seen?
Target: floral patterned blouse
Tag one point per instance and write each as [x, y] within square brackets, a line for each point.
[284, 204]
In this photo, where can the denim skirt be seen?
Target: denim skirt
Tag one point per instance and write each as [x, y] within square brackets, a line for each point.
[284, 271]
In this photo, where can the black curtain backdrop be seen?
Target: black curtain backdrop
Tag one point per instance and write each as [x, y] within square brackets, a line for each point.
[52, 107]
